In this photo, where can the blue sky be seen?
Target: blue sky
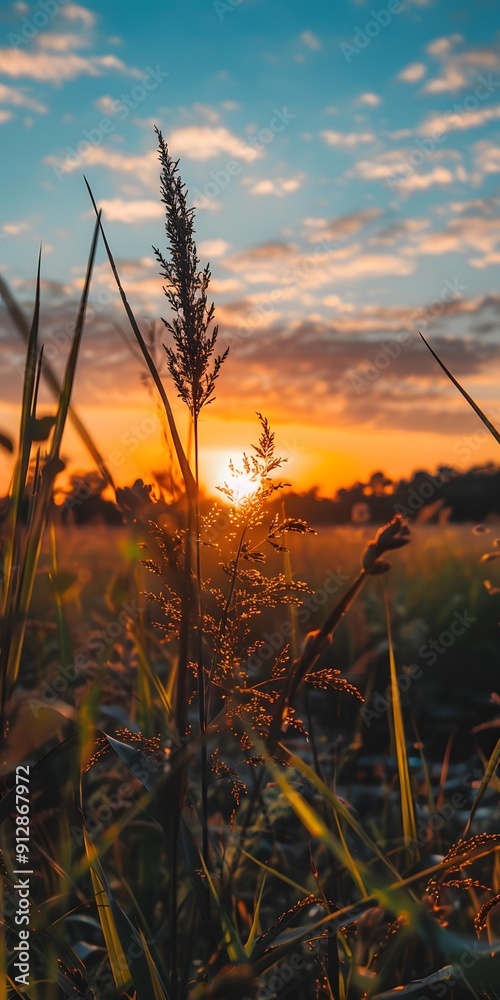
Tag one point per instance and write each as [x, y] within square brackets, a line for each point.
[345, 165]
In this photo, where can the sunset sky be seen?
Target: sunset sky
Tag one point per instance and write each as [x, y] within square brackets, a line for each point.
[344, 160]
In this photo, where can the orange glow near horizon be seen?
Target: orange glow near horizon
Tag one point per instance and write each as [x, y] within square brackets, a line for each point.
[131, 440]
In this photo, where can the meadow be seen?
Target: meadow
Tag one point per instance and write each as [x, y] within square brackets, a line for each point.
[244, 760]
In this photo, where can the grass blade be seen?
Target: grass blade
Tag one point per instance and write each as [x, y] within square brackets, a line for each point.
[256, 917]
[340, 809]
[482, 416]
[50, 470]
[317, 828]
[52, 380]
[234, 945]
[487, 776]
[407, 806]
[275, 871]
[116, 955]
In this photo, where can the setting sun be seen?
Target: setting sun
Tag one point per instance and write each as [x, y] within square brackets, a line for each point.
[220, 474]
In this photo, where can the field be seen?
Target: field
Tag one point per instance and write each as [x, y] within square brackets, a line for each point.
[240, 758]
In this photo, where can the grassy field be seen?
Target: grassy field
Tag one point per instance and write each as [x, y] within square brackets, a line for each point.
[242, 759]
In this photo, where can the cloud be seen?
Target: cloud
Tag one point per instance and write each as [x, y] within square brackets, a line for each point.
[15, 228]
[107, 105]
[311, 40]
[443, 46]
[11, 95]
[459, 70]
[396, 231]
[119, 210]
[5, 116]
[346, 140]
[281, 264]
[213, 248]
[279, 186]
[82, 15]
[369, 99]
[143, 166]
[467, 232]
[394, 167]
[205, 111]
[305, 366]
[453, 78]
[60, 43]
[57, 69]
[487, 261]
[320, 230]
[487, 157]
[438, 177]
[314, 359]
[438, 124]
[199, 142]
[412, 73]
[224, 286]
[483, 205]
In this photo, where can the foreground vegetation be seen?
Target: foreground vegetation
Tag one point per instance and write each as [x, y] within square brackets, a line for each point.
[235, 789]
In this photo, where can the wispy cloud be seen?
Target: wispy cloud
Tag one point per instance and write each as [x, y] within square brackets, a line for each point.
[82, 15]
[213, 248]
[19, 99]
[412, 73]
[144, 167]
[458, 69]
[60, 43]
[487, 157]
[369, 99]
[278, 186]
[283, 264]
[199, 142]
[310, 40]
[346, 140]
[57, 69]
[439, 124]
[320, 230]
[15, 228]
[119, 210]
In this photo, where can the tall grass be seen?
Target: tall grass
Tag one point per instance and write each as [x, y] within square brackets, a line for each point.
[228, 852]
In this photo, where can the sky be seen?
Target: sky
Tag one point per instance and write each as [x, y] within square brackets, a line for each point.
[344, 163]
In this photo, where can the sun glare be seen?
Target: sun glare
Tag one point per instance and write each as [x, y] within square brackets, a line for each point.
[218, 473]
[243, 486]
